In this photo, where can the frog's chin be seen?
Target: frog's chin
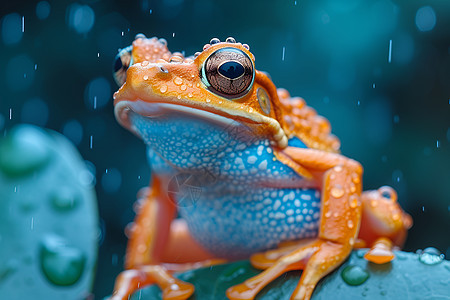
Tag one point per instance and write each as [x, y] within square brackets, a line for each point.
[123, 109]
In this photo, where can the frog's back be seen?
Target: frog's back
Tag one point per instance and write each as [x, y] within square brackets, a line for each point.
[302, 121]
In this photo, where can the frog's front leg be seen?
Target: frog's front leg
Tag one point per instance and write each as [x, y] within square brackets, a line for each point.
[340, 180]
[153, 238]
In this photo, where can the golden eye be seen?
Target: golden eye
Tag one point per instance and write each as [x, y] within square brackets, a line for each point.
[229, 72]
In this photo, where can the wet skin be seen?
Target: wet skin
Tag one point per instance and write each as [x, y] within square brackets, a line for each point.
[253, 173]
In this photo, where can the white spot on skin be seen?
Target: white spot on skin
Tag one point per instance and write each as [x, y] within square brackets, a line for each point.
[277, 205]
[305, 197]
[290, 212]
[263, 165]
[280, 215]
[252, 159]
[297, 203]
[260, 150]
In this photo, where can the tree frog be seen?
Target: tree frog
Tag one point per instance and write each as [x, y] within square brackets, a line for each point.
[251, 171]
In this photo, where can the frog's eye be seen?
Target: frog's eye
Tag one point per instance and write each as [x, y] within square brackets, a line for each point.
[121, 64]
[228, 72]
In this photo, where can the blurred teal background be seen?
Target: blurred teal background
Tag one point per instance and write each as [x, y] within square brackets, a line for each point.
[379, 70]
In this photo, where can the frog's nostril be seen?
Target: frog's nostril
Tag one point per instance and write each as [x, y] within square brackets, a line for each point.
[163, 70]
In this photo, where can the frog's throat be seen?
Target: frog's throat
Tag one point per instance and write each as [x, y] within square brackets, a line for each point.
[261, 125]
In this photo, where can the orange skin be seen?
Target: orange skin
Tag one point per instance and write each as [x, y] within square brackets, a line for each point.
[349, 218]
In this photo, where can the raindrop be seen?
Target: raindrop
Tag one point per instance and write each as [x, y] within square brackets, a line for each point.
[437, 144]
[24, 151]
[64, 198]
[62, 264]
[91, 141]
[354, 275]
[282, 55]
[11, 29]
[373, 85]
[42, 10]
[15, 70]
[23, 24]
[97, 93]
[73, 130]
[425, 18]
[34, 111]
[397, 175]
[80, 18]
[111, 181]
[430, 256]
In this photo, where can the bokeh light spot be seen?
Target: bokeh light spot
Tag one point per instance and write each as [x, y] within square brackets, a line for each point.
[97, 93]
[73, 130]
[403, 51]
[20, 72]
[35, 111]
[80, 18]
[425, 18]
[111, 180]
[12, 29]
[42, 10]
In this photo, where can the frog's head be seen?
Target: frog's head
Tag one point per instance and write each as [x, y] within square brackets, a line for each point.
[218, 88]
[383, 217]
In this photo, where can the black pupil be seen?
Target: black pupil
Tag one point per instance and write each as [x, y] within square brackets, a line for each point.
[231, 69]
[117, 64]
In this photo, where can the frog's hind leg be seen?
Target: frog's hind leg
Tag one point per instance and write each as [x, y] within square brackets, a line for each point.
[150, 237]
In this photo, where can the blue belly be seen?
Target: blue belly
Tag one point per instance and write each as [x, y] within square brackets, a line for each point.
[236, 226]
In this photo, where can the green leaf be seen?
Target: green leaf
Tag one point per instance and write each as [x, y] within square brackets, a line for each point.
[48, 217]
[404, 278]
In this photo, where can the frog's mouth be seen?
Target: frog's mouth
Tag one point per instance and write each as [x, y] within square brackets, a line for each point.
[124, 109]
[158, 107]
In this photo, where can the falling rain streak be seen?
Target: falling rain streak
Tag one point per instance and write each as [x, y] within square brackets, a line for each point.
[90, 141]
[23, 23]
[390, 51]
[282, 55]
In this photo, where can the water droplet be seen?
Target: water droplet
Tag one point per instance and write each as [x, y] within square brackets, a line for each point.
[430, 256]
[178, 81]
[353, 201]
[23, 151]
[328, 214]
[163, 89]
[350, 224]
[395, 217]
[354, 275]
[64, 198]
[190, 95]
[183, 87]
[337, 191]
[62, 264]
[145, 77]
[208, 100]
